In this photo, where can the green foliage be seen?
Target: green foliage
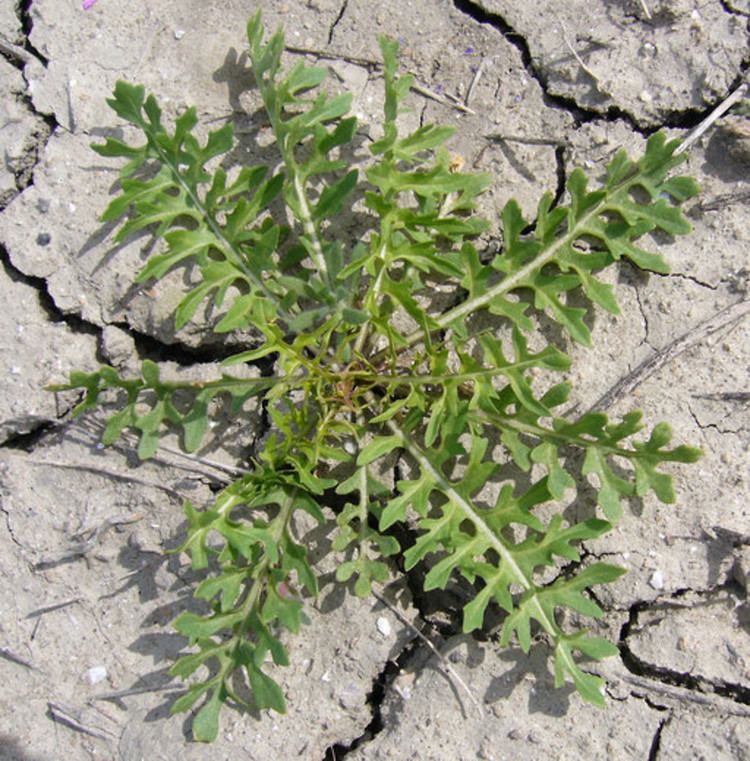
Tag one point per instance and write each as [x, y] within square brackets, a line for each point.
[366, 369]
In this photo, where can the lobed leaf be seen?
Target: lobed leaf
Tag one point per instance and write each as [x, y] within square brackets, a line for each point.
[361, 357]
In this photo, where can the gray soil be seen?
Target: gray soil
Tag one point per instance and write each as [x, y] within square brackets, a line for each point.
[87, 595]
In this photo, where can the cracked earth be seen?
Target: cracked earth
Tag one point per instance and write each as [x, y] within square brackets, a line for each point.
[87, 594]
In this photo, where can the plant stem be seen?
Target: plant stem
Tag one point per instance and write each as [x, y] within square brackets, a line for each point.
[226, 247]
[509, 282]
[307, 222]
[494, 542]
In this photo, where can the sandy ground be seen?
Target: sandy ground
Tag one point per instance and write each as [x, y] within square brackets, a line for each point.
[87, 595]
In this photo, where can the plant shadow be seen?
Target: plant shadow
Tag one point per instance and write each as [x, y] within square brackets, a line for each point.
[11, 750]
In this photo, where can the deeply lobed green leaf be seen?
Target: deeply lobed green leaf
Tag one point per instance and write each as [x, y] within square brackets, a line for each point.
[369, 369]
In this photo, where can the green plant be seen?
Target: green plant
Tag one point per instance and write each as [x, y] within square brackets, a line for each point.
[365, 367]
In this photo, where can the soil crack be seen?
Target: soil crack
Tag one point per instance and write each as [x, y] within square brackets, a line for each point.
[653, 751]
[24, 16]
[376, 699]
[579, 113]
[685, 118]
[20, 56]
[339, 16]
[737, 693]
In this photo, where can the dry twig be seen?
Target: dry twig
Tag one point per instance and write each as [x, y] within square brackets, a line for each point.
[119, 694]
[9, 655]
[377, 65]
[725, 317]
[474, 82]
[717, 113]
[451, 672]
[15, 51]
[71, 717]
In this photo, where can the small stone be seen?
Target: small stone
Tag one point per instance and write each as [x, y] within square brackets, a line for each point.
[657, 580]
[351, 697]
[403, 691]
[96, 674]
[384, 626]
[43, 239]
[645, 96]
[179, 34]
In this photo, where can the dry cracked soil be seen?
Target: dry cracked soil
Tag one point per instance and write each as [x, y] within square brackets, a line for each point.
[534, 88]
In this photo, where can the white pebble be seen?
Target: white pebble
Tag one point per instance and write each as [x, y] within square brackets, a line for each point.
[179, 34]
[403, 692]
[384, 626]
[96, 674]
[657, 580]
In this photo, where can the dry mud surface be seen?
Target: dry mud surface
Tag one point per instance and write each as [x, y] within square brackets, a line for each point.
[87, 595]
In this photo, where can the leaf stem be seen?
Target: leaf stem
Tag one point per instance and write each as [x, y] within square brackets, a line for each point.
[442, 379]
[259, 572]
[479, 523]
[372, 298]
[501, 422]
[517, 279]
[225, 245]
[307, 221]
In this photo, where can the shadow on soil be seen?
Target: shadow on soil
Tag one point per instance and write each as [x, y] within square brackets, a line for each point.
[10, 750]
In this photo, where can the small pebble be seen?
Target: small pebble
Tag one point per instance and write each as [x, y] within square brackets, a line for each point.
[96, 674]
[179, 34]
[402, 691]
[384, 626]
[657, 580]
